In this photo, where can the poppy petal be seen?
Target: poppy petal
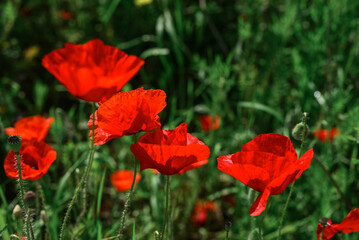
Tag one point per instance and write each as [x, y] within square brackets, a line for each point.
[33, 128]
[92, 71]
[127, 113]
[260, 204]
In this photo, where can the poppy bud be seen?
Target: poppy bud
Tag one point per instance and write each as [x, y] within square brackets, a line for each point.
[30, 198]
[228, 226]
[43, 215]
[156, 235]
[16, 212]
[298, 130]
[15, 142]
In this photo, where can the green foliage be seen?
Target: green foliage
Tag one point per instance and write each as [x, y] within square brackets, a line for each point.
[256, 64]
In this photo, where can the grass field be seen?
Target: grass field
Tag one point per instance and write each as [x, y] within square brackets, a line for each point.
[257, 65]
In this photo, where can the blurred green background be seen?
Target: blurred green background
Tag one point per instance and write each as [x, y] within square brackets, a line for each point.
[257, 64]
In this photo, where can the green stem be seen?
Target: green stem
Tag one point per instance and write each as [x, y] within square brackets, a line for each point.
[166, 208]
[22, 193]
[321, 236]
[43, 202]
[262, 219]
[227, 235]
[29, 223]
[304, 121]
[129, 197]
[84, 176]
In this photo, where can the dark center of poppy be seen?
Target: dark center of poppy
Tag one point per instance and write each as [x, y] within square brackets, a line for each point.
[30, 161]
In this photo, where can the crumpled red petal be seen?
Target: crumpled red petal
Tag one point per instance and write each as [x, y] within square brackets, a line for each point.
[127, 113]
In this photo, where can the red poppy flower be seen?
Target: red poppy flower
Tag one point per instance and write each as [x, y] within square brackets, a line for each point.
[128, 113]
[200, 212]
[93, 71]
[348, 225]
[122, 179]
[34, 128]
[321, 134]
[268, 164]
[333, 133]
[208, 123]
[35, 160]
[170, 151]
[66, 15]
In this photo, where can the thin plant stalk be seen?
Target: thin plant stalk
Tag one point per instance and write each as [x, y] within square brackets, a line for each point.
[22, 193]
[227, 235]
[304, 121]
[129, 196]
[28, 222]
[43, 203]
[166, 207]
[84, 176]
[260, 229]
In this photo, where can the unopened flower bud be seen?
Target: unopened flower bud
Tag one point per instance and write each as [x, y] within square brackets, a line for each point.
[43, 215]
[15, 143]
[228, 226]
[298, 131]
[30, 198]
[16, 212]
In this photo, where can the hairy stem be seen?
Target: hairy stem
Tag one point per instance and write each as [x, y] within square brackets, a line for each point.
[84, 176]
[43, 203]
[304, 121]
[129, 196]
[22, 193]
[166, 207]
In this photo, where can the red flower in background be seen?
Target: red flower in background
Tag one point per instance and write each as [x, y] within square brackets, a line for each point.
[122, 179]
[323, 134]
[333, 133]
[35, 160]
[127, 113]
[348, 225]
[34, 128]
[170, 151]
[268, 164]
[66, 15]
[200, 212]
[208, 123]
[92, 71]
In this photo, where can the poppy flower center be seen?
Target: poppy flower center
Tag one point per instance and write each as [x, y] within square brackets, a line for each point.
[30, 161]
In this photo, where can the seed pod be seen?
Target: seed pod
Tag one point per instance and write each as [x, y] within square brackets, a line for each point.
[15, 142]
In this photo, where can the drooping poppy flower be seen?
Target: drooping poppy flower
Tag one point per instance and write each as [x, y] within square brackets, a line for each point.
[127, 113]
[348, 225]
[35, 160]
[34, 128]
[92, 71]
[170, 151]
[268, 164]
[122, 179]
[208, 123]
[200, 212]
